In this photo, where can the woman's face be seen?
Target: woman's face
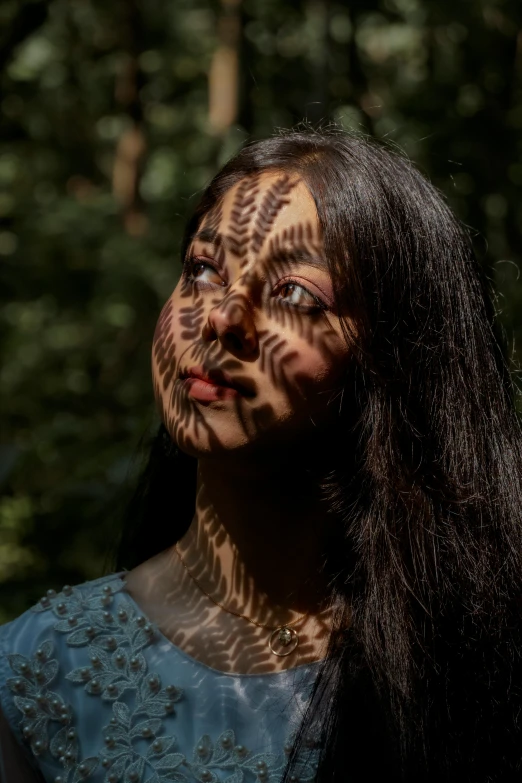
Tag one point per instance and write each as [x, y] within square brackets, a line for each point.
[248, 351]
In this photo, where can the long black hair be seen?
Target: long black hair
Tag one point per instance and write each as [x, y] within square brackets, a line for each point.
[422, 680]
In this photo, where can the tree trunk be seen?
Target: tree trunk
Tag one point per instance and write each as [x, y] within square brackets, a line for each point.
[131, 146]
[223, 76]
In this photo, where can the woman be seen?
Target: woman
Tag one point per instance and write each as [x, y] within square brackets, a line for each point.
[324, 549]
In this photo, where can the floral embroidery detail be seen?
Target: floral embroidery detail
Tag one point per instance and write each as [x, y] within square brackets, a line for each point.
[42, 707]
[169, 764]
[135, 747]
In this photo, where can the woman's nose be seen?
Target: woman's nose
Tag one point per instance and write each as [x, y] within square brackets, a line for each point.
[232, 323]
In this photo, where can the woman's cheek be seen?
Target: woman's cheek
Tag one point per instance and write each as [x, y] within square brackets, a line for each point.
[164, 346]
[324, 358]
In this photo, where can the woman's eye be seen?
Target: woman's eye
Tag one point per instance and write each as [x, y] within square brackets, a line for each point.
[299, 296]
[202, 272]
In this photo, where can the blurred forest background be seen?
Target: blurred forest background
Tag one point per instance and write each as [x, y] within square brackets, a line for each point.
[113, 116]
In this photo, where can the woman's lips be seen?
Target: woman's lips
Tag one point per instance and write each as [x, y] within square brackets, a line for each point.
[205, 391]
[212, 385]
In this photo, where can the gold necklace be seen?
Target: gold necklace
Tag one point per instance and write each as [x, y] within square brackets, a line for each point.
[285, 635]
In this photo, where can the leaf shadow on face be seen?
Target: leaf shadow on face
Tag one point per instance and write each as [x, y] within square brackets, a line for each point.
[229, 643]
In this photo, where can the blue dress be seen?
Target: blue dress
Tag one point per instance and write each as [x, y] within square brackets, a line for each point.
[95, 692]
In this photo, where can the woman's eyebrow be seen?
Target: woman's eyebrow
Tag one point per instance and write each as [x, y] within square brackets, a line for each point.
[289, 256]
[211, 236]
[206, 235]
[292, 256]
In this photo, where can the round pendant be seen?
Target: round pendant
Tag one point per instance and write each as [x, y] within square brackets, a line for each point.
[283, 641]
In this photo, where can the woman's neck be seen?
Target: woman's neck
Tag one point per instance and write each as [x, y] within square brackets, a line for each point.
[256, 542]
[255, 547]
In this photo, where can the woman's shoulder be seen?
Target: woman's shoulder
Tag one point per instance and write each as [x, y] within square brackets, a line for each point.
[74, 613]
[39, 651]
[65, 666]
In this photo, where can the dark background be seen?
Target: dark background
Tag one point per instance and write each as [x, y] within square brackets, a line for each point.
[113, 116]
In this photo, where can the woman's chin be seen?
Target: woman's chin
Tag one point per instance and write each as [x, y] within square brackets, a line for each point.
[210, 444]
[231, 444]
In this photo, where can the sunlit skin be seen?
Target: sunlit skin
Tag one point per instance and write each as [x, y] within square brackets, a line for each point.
[264, 315]
[244, 304]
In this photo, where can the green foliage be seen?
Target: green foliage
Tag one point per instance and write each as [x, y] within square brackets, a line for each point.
[80, 294]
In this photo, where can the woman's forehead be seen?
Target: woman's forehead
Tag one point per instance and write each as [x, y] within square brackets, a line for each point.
[270, 206]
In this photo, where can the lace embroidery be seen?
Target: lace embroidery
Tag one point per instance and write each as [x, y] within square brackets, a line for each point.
[135, 747]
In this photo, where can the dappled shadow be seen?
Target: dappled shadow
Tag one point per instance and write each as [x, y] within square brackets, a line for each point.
[241, 324]
[191, 621]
